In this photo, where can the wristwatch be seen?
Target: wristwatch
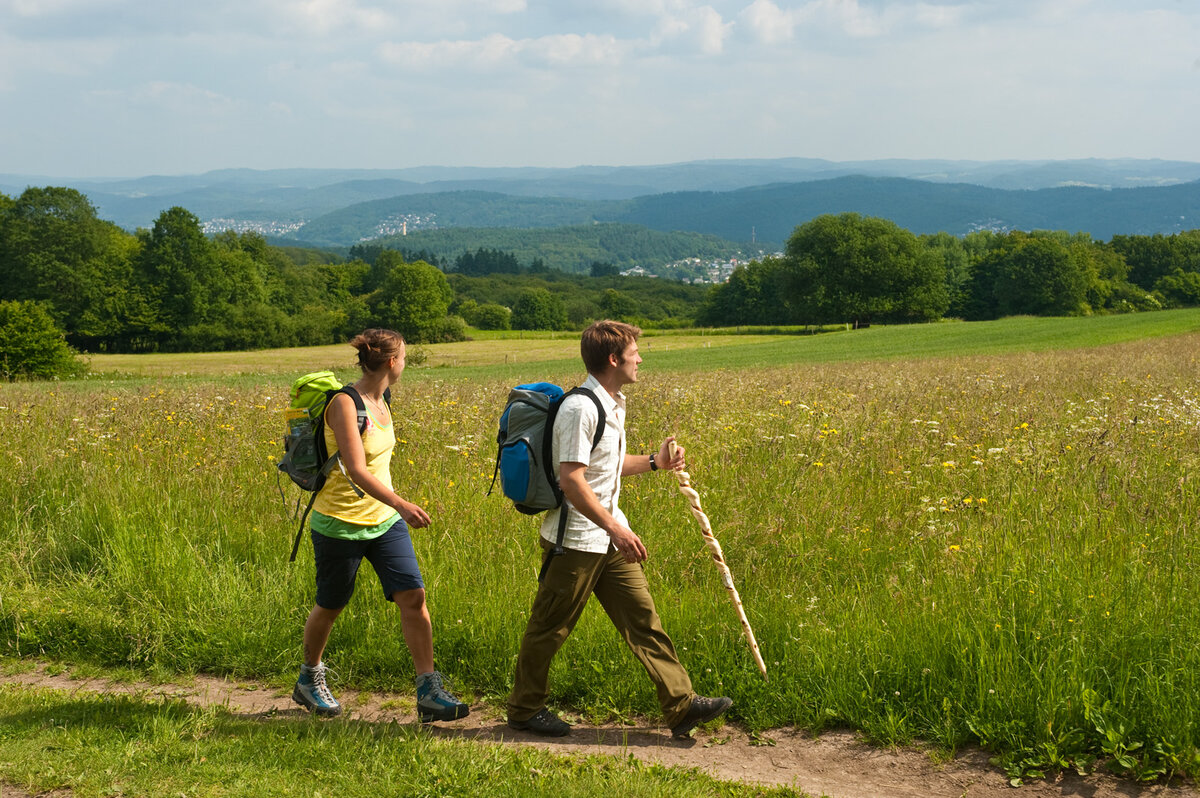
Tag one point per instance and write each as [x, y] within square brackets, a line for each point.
[653, 465]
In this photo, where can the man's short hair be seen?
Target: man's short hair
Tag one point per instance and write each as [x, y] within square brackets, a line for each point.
[604, 338]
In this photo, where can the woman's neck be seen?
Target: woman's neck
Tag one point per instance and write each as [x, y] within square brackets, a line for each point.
[373, 385]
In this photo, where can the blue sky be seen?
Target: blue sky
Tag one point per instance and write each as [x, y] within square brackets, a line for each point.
[123, 88]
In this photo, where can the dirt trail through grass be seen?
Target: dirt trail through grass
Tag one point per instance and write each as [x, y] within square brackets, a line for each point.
[836, 764]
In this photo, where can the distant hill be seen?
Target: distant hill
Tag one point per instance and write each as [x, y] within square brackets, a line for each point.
[290, 197]
[370, 220]
[772, 212]
[768, 214]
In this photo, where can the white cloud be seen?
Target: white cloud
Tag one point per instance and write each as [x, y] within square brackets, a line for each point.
[771, 24]
[19, 59]
[574, 50]
[328, 16]
[711, 30]
[688, 28]
[490, 52]
[173, 98]
[477, 53]
[29, 9]
[768, 22]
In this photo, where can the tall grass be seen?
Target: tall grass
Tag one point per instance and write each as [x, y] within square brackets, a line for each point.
[994, 548]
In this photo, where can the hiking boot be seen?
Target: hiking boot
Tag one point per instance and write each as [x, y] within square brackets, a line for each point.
[702, 710]
[313, 694]
[434, 703]
[544, 723]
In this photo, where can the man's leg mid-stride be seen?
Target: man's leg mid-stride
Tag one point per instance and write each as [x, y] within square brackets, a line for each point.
[561, 598]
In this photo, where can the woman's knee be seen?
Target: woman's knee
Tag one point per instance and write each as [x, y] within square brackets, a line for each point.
[410, 600]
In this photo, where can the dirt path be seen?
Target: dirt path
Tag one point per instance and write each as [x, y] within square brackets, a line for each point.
[835, 765]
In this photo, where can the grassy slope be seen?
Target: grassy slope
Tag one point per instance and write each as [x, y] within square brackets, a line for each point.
[932, 539]
[494, 354]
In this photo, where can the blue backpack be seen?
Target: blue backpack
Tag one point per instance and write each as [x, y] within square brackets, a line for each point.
[524, 456]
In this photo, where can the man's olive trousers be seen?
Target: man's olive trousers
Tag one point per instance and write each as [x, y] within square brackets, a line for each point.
[621, 588]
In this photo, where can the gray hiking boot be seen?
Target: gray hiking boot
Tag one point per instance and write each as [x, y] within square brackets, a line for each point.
[313, 694]
[544, 723]
[434, 702]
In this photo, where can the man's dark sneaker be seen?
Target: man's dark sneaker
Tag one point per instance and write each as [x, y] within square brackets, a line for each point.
[434, 702]
[545, 723]
[313, 694]
[702, 710]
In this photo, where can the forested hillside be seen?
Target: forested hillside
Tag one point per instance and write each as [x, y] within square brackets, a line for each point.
[922, 207]
[289, 197]
[575, 248]
[767, 214]
[172, 288]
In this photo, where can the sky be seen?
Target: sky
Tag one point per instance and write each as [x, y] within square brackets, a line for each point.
[92, 88]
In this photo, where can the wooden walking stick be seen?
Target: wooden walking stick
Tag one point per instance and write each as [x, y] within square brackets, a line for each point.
[685, 487]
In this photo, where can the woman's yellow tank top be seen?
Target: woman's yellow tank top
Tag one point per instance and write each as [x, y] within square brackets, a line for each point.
[337, 499]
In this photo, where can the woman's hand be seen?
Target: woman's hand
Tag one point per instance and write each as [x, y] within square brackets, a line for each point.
[414, 516]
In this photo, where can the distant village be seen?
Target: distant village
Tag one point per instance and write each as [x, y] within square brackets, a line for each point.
[695, 271]
[692, 270]
[267, 228]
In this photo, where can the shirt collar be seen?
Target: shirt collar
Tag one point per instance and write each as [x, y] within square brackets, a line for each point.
[606, 399]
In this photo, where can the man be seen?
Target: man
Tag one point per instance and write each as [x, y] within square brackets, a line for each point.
[600, 553]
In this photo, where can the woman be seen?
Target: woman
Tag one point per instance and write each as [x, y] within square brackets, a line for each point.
[347, 527]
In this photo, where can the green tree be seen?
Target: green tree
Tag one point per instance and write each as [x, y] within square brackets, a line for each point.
[1035, 275]
[54, 249]
[956, 263]
[31, 346]
[1179, 288]
[862, 269]
[180, 274]
[487, 261]
[538, 309]
[1150, 258]
[602, 269]
[754, 294]
[615, 304]
[413, 299]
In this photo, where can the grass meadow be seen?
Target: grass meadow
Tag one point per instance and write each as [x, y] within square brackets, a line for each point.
[957, 533]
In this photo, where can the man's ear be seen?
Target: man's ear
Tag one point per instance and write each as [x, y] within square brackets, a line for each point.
[614, 360]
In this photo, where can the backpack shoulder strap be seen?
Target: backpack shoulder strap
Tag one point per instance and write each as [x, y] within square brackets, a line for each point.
[548, 434]
[602, 417]
[547, 443]
[359, 405]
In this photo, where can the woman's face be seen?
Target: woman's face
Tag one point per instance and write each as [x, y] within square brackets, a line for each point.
[398, 365]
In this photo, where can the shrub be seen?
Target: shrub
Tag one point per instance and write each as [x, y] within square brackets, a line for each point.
[491, 316]
[32, 346]
[446, 330]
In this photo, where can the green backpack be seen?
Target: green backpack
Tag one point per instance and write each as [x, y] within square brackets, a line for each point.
[306, 459]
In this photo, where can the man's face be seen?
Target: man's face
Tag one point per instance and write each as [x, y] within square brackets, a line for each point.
[627, 363]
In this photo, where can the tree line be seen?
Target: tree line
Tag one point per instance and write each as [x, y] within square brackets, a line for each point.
[173, 288]
[853, 269]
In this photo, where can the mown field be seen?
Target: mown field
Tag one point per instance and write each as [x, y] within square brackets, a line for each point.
[935, 537]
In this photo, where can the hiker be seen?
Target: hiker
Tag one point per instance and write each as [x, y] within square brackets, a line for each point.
[600, 553]
[346, 528]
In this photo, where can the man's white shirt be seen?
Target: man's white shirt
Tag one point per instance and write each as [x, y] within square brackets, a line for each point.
[574, 429]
